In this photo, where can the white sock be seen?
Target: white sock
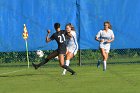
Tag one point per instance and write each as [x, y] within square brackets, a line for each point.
[104, 67]
[67, 64]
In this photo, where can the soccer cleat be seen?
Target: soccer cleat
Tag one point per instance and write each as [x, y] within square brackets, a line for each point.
[35, 66]
[63, 74]
[74, 73]
[104, 69]
[98, 64]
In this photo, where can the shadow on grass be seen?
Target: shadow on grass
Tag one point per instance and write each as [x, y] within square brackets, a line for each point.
[21, 75]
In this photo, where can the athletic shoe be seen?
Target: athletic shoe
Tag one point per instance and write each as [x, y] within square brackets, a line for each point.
[63, 74]
[35, 66]
[98, 64]
[74, 73]
[104, 69]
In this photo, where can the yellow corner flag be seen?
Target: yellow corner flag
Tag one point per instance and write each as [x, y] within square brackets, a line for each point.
[25, 32]
[25, 37]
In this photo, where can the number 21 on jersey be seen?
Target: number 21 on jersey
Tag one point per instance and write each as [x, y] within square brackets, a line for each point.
[61, 38]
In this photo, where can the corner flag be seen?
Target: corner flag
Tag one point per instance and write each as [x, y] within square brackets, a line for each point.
[25, 37]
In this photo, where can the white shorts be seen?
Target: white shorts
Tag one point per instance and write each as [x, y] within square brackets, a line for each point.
[72, 50]
[106, 47]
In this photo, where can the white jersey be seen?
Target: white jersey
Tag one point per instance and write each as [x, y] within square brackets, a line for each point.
[105, 36]
[72, 44]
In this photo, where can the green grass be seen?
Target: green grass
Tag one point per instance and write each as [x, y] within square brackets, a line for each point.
[117, 79]
[119, 60]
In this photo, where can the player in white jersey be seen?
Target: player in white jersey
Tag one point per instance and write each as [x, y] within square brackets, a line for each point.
[105, 37]
[72, 45]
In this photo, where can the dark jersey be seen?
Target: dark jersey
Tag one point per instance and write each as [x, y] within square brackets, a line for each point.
[60, 38]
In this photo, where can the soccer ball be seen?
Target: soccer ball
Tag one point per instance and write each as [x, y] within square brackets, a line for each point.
[40, 53]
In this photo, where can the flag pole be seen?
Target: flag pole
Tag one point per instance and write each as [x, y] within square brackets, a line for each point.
[25, 36]
[27, 52]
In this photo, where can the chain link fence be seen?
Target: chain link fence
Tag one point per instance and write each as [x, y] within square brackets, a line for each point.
[116, 56]
[83, 57]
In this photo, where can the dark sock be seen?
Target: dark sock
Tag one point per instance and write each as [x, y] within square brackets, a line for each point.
[68, 69]
[42, 63]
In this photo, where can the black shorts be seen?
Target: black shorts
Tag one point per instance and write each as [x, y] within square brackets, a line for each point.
[62, 51]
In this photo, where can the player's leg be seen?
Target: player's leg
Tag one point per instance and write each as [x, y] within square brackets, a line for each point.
[106, 55]
[52, 55]
[69, 56]
[61, 59]
[61, 62]
[98, 63]
[106, 50]
[104, 58]
[99, 59]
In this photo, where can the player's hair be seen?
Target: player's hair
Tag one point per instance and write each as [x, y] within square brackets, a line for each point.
[56, 25]
[71, 26]
[107, 22]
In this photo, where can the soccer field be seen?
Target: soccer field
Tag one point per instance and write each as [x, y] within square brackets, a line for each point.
[117, 79]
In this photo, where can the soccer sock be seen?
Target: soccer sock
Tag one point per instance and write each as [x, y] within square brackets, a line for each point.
[67, 64]
[104, 65]
[68, 69]
[42, 63]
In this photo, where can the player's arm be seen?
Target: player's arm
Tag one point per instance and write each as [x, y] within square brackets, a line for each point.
[97, 38]
[112, 39]
[69, 34]
[47, 37]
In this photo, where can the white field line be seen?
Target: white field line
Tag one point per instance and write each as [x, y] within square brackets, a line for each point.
[12, 72]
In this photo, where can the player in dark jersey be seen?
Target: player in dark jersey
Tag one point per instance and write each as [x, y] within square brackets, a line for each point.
[59, 36]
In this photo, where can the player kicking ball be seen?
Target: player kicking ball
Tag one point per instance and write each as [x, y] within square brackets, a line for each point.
[60, 37]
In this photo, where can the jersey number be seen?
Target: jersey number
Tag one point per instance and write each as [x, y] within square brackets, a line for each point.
[61, 38]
